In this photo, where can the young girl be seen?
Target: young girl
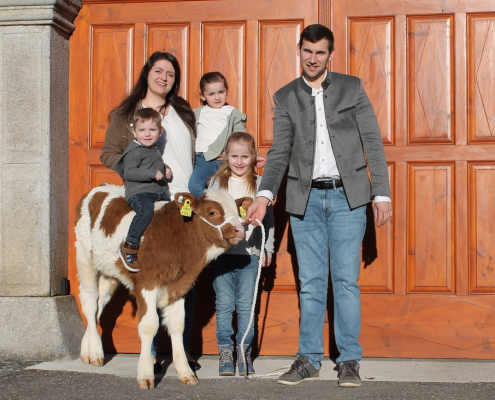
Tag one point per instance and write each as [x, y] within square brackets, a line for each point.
[234, 273]
[215, 121]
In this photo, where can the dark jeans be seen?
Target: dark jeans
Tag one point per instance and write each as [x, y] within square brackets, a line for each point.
[143, 205]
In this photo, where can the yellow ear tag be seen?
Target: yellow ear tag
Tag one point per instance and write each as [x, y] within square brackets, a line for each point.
[186, 209]
[243, 212]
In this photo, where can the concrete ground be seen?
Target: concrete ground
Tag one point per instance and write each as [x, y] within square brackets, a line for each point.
[382, 379]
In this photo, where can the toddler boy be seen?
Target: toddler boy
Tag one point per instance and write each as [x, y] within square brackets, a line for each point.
[143, 171]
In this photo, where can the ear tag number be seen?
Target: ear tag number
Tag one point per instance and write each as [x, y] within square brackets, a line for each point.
[186, 209]
[242, 212]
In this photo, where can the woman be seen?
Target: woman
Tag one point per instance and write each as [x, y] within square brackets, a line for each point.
[158, 87]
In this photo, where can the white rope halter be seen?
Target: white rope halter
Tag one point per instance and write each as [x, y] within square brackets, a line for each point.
[219, 226]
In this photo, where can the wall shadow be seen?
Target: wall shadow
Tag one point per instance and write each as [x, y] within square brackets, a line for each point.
[111, 312]
[369, 251]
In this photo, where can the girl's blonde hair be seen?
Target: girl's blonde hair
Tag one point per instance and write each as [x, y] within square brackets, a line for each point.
[223, 174]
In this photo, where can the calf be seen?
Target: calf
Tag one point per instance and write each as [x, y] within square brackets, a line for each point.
[183, 237]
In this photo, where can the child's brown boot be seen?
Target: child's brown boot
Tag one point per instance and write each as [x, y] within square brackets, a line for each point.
[129, 256]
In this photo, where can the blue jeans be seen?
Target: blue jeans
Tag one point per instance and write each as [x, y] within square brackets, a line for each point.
[203, 170]
[143, 205]
[234, 277]
[329, 234]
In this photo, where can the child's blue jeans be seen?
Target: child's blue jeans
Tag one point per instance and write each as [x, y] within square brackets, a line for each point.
[143, 205]
[234, 277]
[203, 170]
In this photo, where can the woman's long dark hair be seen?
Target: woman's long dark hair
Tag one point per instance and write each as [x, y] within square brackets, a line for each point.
[128, 106]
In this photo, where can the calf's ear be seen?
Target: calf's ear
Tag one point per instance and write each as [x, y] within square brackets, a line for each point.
[181, 199]
[244, 203]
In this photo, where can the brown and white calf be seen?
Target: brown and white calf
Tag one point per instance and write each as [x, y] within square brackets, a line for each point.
[174, 250]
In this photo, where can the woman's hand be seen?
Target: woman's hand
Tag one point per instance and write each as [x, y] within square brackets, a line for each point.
[221, 157]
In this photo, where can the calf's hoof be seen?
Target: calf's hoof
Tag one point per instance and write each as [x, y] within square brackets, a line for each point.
[189, 380]
[97, 362]
[85, 359]
[146, 383]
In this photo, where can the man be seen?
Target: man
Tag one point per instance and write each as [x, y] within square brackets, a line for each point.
[326, 132]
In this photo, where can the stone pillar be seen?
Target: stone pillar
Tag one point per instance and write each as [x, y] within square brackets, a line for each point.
[34, 114]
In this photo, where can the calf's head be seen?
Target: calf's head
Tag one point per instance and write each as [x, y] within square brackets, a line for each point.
[216, 208]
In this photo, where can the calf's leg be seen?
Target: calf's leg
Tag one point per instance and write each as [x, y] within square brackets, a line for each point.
[173, 319]
[91, 346]
[106, 289]
[147, 327]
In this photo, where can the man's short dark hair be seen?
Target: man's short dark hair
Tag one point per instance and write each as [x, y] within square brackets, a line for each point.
[314, 33]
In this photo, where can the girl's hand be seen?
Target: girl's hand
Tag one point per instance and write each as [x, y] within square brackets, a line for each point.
[221, 157]
[260, 162]
[266, 261]
[159, 175]
[168, 173]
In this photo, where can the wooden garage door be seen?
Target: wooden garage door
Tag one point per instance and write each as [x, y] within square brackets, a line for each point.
[429, 70]
[428, 279]
[254, 45]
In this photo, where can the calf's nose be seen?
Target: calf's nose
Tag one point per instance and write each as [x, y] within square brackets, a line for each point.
[240, 232]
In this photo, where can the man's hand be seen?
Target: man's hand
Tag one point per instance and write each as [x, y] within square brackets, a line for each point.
[260, 162]
[382, 212]
[257, 210]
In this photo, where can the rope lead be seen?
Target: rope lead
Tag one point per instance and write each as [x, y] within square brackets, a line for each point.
[251, 319]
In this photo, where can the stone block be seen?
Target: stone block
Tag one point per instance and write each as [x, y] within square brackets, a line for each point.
[40, 328]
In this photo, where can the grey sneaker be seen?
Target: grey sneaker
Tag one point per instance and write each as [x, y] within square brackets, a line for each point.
[349, 374]
[300, 370]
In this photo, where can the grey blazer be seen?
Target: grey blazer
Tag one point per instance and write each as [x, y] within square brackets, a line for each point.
[353, 131]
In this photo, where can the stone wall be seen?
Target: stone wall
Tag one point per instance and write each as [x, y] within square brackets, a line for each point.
[34, 82]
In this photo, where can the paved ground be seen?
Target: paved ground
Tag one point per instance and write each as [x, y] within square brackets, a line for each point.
[383, 379]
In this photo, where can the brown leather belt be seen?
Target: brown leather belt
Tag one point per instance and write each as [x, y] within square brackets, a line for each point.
[321, 185]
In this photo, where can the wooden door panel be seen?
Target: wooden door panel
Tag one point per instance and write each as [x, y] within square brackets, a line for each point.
[377, 265]
[430, 246]
[98, 174]
[223, 50]
[111, 75]
[482, 229]
[173, 38]
[279, 65]
[430, 326]
[371, 58]
[481, 78]
[430, 74]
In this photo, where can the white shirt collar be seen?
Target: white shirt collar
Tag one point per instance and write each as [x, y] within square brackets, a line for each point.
[307, 83]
